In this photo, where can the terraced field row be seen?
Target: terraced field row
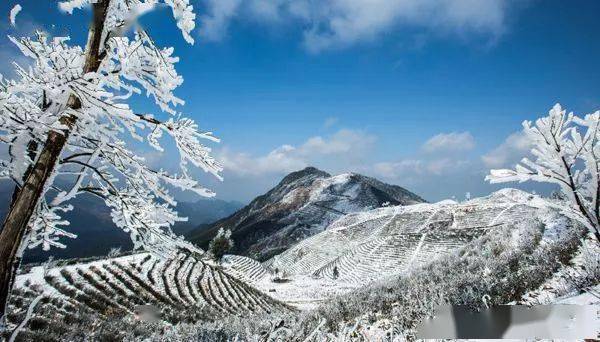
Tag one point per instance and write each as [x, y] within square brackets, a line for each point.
[245, 268]
[389, 255]
[363, 246]
[181, 288]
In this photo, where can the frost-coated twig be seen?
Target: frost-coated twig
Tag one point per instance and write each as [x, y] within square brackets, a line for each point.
[26, 319]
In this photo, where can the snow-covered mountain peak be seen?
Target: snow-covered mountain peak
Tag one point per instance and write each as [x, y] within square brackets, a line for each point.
[304, 203]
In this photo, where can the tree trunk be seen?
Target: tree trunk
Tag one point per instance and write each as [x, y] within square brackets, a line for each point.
[26, 199]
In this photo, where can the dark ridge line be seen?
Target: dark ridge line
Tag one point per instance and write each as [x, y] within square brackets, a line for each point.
[115, 287]
[234, 307]
[213, 293]
[73, 293]
[204, 293]
[151, 272]
[104, 289]
[140, 282]
[136, 289]
[165, 280]
[233, 292]
[98, 296]
[182, 264]
[189, 281]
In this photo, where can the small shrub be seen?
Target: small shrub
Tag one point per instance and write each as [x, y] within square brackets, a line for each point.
[336, 273]
[221, 244]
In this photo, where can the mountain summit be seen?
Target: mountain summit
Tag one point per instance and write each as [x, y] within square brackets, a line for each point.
[303, 204]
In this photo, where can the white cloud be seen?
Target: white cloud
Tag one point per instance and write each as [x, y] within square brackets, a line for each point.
[511, 151]
[414, 170]
[345, 141]
[213, 26]
[449, 142]
[399, 169]
[432, 175]
[340, 148]
[330, 121]
[429, 166]
[444, 166]
[280, 160]
[330, 24]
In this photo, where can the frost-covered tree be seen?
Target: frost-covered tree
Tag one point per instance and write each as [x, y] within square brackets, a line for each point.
[67, 117]
[566, 152]
[221, 244]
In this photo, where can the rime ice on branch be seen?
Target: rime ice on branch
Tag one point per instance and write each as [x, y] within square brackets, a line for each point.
[97, 158]
[566, 149]
[13, 14]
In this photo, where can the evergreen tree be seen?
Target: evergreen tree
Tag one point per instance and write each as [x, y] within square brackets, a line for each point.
[221, 244]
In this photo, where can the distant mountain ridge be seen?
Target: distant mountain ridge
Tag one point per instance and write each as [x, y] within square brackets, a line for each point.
[203, 211]
[303, 204]
[97, 234]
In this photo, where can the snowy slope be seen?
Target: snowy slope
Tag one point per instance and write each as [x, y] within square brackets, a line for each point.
[366, 249]
[364, 246]
[304, 203]
[181, 287]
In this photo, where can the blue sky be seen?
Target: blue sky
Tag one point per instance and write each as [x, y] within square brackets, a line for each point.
[425, 94]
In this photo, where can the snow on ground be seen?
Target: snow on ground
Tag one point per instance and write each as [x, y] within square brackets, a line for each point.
[366, 246]
[363, 246]
[303, 292]
[37, 273]
[181, 281]
[588, 298]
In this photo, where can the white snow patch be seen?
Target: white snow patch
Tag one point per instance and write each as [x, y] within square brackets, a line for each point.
[446, 202]
[582, 299]
[290, 197]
